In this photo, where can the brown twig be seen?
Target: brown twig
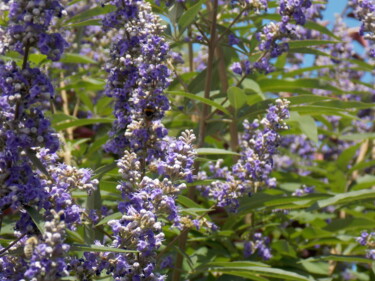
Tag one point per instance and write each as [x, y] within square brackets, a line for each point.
[11, 244]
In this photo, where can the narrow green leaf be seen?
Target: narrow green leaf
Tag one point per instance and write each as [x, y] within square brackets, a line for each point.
[312, 51]
[35, 160]
[200, 99]
[309, 43]
[341, 258]
[89, 14]
[188, 17]
[237, 97]
[252, 86]
[114, 216]
[36, 217]
[105, 169]
[321, 28]
[187, 202]
[61, 117]
[85, 99]
[345, 104]
[235, 264]
[175, 12]
[362, 165]
[345, 198]
[277, 85]
[303, 99]
[74, 236]
[346, 157]
[95, 248]
[307, 125]
[81, 122]
[85, 23]
[263, 271]
[76, 58]
[215, 151]
[357, 137]
[367, 181]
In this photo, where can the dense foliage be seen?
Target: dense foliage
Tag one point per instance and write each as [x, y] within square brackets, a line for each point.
[186, 140]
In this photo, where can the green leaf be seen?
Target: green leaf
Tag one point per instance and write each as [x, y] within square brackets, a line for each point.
[249, 271]
[114, 216]
[37, 58]
[85, 23]
[89, 14]
[307, 125]
[237, 97]
[303, 70]
[75, 236]
[341, 258]
[308, 43]
[362, 165]
[366, 181]
[95, 248]
[346, 157]
[60, 117]
[81, 122]
[252, 86]
[215, 151]
[349, 223]
[188, 17]
[357, 137]
[234, 264]
[35, 160]
[175, 12]
[304, 99]
[278, 85]
[76, 58]
[200, 99]
[312, 51]
[335, 103]
[187, 202]
[105, 169]
[321, 28]
[84, 97]
[344, 198]
[36, 217]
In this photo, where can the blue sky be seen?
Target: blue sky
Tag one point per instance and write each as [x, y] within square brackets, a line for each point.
[336, 7]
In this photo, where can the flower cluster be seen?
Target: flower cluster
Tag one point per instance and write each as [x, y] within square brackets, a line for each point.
[29, 22]
[62, 180]
[273, 37]
[179, 158]
[45, 253]
[252, 170]
[294, 9]
[32, 177]
[303, 191]
[364, 10]
[47, 259]
[24, 95]
[259, 146]
[146, 201]
[302, 152]
[138, 76]
[256, 5]
[259, 245]
[368, 239]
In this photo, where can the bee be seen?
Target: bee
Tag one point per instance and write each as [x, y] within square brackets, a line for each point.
[149, 113]
[30, 246]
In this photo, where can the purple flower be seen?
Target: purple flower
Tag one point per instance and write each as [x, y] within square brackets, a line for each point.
[29, 22]
[259, 245]
[258, 146]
